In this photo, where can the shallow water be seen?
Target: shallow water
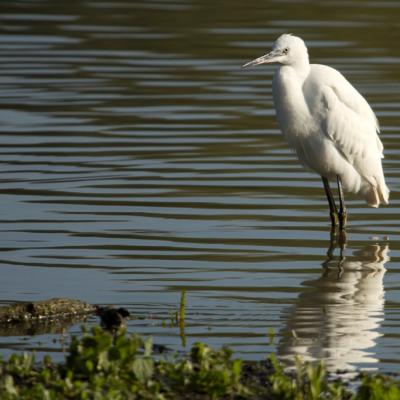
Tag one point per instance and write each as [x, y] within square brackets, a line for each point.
[138, 159]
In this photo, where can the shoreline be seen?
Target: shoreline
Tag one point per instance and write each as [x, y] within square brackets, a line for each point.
[120, 365]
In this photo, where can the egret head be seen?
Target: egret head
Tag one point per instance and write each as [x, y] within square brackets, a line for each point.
[286, 50]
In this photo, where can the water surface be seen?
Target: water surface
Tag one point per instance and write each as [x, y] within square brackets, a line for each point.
[138, 159]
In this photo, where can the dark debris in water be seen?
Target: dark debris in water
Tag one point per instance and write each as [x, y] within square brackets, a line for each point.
[39, 317]
[45, 309]
[112, 318]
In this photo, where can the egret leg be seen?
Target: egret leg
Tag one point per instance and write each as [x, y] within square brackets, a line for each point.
[342, 207]
[331, 200]
[332, 246]
[336, 240]
[333, 243]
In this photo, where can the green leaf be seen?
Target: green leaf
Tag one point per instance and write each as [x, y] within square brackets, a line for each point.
[148, 347]
[9, 385]
[143, 368]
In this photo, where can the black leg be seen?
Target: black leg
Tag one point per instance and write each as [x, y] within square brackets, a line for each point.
[331, 200]
[342, 207]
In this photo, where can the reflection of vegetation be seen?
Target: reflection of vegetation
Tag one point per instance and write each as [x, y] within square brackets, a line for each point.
[101, 366]
[177, 318]
[40, 327]
[182, 311]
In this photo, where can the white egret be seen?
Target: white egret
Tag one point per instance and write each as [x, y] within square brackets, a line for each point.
[328, 123]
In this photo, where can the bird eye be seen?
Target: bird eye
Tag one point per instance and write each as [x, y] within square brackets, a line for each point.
[285, 50]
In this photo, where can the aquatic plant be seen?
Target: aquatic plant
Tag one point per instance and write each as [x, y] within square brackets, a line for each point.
[101, 365]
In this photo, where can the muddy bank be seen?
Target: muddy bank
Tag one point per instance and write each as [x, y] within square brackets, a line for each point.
[56, 308]
[39, 317]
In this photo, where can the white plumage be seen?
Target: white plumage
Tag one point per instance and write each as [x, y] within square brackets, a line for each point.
[327, 122]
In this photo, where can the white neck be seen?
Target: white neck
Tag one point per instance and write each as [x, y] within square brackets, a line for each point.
[302, 67]
[289, 99]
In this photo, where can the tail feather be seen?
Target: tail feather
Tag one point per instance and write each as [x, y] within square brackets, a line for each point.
[372, 197]
[376, 195]
[383, 192]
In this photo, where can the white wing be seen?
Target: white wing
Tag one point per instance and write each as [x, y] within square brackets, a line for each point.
[348, 120]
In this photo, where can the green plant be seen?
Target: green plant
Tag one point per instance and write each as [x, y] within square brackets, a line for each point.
[308, 382]
[208, 372]
[378, 387]
[103, 366]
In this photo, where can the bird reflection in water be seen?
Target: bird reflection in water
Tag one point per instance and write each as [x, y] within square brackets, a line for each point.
[338, 316]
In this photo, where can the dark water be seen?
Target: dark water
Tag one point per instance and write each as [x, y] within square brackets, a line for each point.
[138, 159]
